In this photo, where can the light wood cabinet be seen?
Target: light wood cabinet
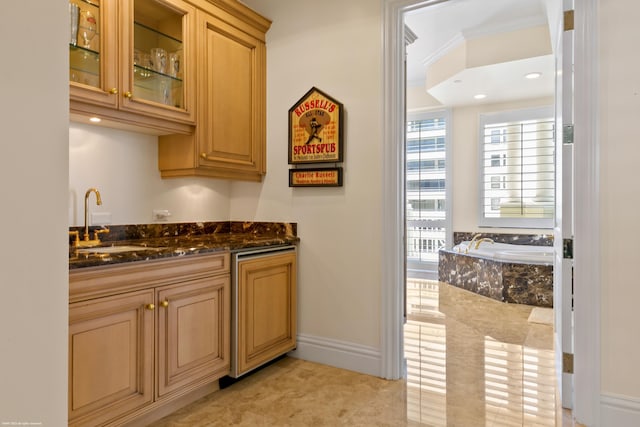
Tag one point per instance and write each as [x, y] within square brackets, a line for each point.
[266, 309]
[193, 333]
[144, 335]
[110, 357]
[138, 69]
[229, 140]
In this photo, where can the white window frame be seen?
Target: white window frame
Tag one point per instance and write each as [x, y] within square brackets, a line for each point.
[537, 113]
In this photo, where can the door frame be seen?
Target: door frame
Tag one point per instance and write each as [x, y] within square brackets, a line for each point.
[587, 226]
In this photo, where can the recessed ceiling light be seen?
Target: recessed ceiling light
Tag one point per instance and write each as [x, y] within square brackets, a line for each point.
[480, 96]
[457, 81]
[534, 75]
[95, 119]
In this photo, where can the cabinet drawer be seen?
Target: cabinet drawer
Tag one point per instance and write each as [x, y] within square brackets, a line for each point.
[96, 282]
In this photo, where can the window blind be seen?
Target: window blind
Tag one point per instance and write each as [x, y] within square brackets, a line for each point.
[518, 172]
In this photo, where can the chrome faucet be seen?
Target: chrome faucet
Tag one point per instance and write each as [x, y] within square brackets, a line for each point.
[96, 238]
[473, 239]
[486, 239]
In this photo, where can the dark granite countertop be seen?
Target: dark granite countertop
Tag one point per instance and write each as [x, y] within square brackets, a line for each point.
[183, 239]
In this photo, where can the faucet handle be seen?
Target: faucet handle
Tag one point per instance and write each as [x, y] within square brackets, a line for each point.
[96, 233]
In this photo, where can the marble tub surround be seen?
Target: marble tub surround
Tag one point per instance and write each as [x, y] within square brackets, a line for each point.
[502, 281]
[514, 239]
[180, 239]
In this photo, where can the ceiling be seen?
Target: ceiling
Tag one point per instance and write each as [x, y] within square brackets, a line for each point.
[460, 42]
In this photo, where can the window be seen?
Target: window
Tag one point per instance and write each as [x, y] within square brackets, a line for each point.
[517, 154]
[425, 185]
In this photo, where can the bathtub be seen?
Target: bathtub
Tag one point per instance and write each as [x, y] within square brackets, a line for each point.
[505, 252]
[519, 274]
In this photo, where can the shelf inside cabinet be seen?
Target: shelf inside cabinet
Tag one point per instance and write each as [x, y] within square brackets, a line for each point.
[157, 59]
[157, 87]
[84, 65]
[157, 51]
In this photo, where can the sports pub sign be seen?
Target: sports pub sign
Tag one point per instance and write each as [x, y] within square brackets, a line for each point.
[315, 136]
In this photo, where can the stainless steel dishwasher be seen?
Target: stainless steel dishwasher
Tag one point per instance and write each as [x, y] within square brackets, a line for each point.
[263, 306]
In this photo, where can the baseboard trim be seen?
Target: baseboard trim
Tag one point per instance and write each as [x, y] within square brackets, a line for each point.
[619, 411]
[341, 354]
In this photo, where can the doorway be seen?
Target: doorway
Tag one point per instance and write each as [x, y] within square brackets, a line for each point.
[462, 28]
[587, 399]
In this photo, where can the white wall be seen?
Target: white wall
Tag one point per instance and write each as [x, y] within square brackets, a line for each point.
[620, 201]
[33, 196]
[335, 46]
[123, 166]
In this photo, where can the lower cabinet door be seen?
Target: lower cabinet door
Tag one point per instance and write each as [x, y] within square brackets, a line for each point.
[193, 333]
[110, 357]
[266, 309]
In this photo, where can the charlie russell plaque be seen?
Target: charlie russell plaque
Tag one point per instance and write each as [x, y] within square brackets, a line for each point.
[322, 177]
[315, 129]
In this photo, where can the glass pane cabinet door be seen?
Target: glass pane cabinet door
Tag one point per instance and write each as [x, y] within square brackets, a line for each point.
[157, 70]
[84, 42]
[156, 66]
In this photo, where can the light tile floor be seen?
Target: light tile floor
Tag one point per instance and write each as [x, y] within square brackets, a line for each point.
[471, 362]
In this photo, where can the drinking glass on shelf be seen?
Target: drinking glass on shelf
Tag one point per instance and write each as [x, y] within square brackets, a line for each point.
[88, 26]
[164, 91]
[174, 64]
[159, 58]
[74, 14]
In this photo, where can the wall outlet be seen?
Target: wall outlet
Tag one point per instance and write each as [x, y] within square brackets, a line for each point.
[161, 214]
[100, 218]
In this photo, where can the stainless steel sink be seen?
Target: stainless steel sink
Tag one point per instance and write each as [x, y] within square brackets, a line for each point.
[116, 249]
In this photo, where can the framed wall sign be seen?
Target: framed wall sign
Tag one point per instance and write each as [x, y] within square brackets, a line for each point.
[322, 177]
[315, 129]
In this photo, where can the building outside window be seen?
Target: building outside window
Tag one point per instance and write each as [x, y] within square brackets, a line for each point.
[425, 185]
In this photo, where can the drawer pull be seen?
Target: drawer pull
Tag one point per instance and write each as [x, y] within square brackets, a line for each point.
[150, 307]
[165, 303]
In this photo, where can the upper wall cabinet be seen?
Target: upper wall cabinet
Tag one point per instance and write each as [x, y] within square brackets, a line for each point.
[229, 140]
[132, 62]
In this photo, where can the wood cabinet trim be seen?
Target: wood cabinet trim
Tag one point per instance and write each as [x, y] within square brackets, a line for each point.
[94, 282]
[237, 14]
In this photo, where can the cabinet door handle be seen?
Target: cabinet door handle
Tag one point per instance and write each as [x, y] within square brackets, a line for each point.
[113, 91]
[128, 94]
[150, 307]
[165, 303]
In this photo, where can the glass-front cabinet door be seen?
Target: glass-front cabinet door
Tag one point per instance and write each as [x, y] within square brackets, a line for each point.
[157, 71]
[92, 51]
[135, 56]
